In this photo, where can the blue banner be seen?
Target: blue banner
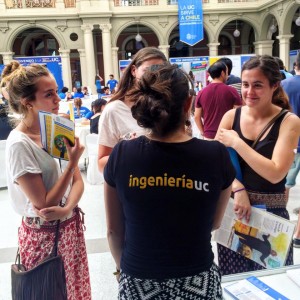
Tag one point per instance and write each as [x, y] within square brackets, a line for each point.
[190, 15]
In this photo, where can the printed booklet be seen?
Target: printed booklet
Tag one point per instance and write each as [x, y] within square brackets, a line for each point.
[252, 288]
[265, 239]
[53, 129]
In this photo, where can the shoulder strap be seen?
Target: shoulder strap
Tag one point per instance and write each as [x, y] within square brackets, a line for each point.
[282, 112]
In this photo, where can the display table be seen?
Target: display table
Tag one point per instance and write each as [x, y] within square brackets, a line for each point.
[277, 279]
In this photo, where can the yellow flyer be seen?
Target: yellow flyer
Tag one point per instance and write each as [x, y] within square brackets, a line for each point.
[53, 131]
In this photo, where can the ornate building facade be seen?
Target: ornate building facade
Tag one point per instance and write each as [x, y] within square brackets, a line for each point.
[91, 36]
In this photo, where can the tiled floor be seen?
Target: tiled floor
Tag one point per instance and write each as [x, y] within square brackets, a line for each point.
[104, 286]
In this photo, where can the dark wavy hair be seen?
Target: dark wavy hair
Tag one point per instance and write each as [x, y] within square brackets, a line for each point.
[270, 68]
[160, 98]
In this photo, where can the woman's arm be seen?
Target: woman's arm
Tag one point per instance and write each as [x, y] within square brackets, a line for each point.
[58, 212]
[273, 169]
[103, 155]
[198, 119]
[221, 207]
[33, 186]
[114, 222]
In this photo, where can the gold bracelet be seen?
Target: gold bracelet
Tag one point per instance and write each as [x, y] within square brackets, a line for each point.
[117, 272]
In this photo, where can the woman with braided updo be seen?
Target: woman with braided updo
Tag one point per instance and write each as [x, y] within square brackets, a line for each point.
[165, 193]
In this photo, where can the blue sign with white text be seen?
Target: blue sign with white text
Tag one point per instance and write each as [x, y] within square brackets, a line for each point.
[190, 14]
[53, 63]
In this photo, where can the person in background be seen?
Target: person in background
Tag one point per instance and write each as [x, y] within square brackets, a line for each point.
[8, 69]
[112, 82]
[39, 191]
[293, 71]
[97, 107]
[232, 80]
[116, 122]
[150, 247]
[264, 167]
[69, 96]
[74, 90]
[78, 94]
[98, 80]
[6, 125]
[85, 91]
[105, 92]
[214, 101]
[63, 94]
[291, 87]
[284, 73]
[79, 110]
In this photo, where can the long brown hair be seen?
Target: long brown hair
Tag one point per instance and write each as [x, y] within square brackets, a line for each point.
[127, 80]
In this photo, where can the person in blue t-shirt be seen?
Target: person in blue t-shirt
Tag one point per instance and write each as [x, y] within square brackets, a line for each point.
[63, 95]
[79, 110]
[165, 193]
[78, 93]
[112, 83]
[98, 80]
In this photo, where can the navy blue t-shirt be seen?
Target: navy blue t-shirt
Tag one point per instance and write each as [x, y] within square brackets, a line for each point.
[169, 193]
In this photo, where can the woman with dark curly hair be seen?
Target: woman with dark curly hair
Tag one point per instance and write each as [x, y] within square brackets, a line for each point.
[165, 193]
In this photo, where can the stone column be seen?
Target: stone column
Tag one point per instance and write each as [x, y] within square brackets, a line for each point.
[66, 67]
[7, 57]
[83, 66]
[115, 60]
[284, 49]
[213, 49]
[165, 50]
[264, 47]
[90, 56]
[107, 49]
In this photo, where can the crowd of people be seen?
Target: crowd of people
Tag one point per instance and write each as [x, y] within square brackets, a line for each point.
[165, 189]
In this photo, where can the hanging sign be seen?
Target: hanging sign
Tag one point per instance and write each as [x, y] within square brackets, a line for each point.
[190, 15]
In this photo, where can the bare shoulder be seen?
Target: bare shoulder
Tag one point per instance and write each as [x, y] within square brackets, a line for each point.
[229, 115]
[291, 121]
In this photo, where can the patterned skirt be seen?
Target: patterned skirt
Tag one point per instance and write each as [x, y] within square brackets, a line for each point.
[36, 240]
[203, 286]
[231, 262]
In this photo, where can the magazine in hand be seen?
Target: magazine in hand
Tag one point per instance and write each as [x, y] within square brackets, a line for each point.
[53, 129]
[265, 239]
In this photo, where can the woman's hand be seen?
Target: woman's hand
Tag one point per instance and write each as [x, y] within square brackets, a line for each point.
[228, 137]
[242, 207]
[52, 213]
[75, 152]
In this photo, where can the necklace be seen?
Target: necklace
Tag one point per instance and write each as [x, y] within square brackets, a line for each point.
[30, 129]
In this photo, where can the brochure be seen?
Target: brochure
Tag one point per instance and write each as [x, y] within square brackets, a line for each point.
[53, 129]
[265, 239]
[252, 288]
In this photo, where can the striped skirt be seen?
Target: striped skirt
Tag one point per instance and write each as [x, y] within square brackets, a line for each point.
[36, 240]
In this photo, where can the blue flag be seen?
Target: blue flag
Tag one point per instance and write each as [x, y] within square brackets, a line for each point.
[190, 15]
